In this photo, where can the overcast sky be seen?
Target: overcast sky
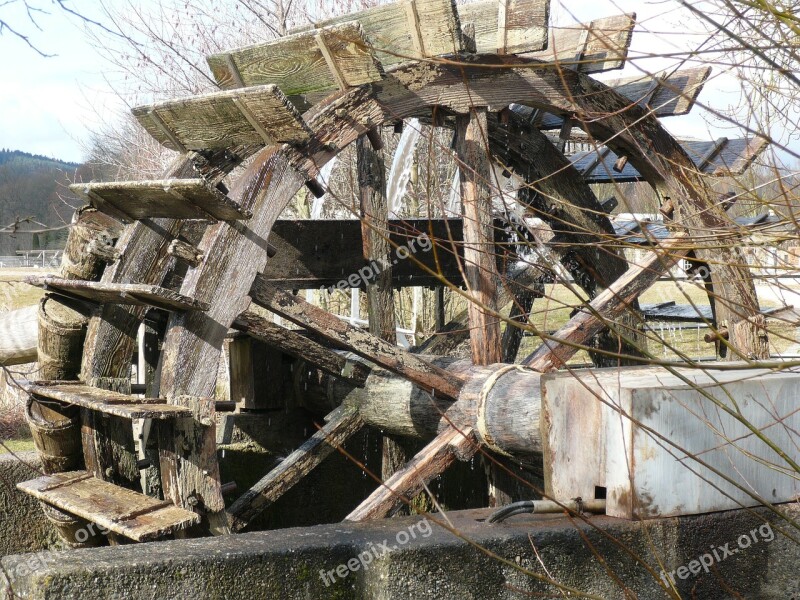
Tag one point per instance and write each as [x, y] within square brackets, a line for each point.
[48, 105]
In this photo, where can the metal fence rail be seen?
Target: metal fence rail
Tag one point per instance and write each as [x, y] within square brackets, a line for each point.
[32, 259]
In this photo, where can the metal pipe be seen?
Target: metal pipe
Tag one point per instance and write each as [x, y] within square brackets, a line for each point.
[547, 507]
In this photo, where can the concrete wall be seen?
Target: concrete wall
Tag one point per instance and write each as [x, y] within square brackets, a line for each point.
[23, 527]
[498, 562]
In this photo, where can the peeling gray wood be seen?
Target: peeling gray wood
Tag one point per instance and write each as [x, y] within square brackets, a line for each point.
[116, 509]
[117, 293]
[366, 345]
[166, 198]
[104, 401]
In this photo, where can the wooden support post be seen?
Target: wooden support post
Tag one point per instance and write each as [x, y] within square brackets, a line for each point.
[439, 309]
[429, 463]
[374, 208]
[512, 335]
[480, 266]
[341, 424]
[366, 345]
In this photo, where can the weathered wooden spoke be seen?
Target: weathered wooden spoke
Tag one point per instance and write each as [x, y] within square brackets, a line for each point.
[614, 300]
[366, 345]
[429, 463]
[301, 347]
[341, 424]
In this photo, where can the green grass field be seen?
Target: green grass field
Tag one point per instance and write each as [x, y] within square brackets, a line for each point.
[14, 293]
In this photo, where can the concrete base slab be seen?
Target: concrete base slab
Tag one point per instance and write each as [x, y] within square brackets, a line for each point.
[709, 556]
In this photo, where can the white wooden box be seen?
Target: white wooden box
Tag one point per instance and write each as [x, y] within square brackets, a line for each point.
[660, 444]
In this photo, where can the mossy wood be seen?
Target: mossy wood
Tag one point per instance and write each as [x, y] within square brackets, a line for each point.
[259, 115]
[322, 60]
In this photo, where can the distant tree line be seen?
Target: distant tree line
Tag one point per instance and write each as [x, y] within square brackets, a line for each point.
[34, 186]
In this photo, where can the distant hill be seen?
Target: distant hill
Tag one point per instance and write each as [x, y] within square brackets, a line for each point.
[33, 160]
[34, 186]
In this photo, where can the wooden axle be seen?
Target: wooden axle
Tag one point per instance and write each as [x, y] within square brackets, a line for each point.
[500, 401]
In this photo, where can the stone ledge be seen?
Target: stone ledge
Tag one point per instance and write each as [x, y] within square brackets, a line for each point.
[287, 563]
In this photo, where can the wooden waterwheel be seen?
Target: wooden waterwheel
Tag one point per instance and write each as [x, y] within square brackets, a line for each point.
[196, 246]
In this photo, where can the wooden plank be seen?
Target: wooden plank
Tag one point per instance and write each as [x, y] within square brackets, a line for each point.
[118, 293]
[606, 46]
[376, 246]
[165, 198]
[525, 27]
[325, 253]
[366, 345]
[613, 301]
[667, 94]
[404, 31]
[340, 425]
[521, 26]
[295, 344]
[110, 403]
[117, 509]
[480, 267]
[431, 461]
[472, 153]
[322, 60]
[732, 159]
[225, 119]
